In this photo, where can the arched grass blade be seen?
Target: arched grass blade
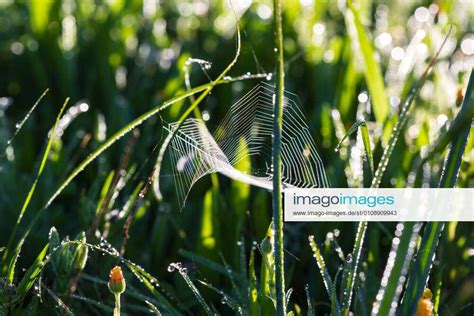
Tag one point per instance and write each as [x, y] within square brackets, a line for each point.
[403, 248]
[372, 71]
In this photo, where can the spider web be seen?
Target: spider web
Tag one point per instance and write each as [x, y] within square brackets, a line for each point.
[195, 152]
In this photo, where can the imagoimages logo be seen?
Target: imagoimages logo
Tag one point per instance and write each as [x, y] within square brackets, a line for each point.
[378, 205]
[343, 199]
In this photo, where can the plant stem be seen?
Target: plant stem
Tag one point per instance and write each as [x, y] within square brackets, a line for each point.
[277, 127]
[117, 305]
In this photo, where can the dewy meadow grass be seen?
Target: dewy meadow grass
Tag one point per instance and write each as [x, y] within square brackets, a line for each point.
[227, 251]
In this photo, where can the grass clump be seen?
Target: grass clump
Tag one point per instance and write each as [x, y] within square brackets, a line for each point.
[129, 63]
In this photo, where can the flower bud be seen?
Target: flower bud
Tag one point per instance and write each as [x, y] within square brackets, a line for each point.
[425, 306]
[116, 281]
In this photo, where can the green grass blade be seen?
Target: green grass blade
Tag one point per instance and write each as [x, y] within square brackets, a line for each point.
[212, 265]
[356, 253]
[153, 308]
[396, 269]
[324, 272]
[309, 301]
[437, 292]
[368, 151]
[254, 308]
[44, 159]
[31, 275]
[335, 309]
[372, 72]
[225, 298]
[65, 310]
[182, 271]
[345, 285]
[277, 162]
[267, 275]
[106, 308]
[403, 119]
[455, 126]
[422, 266]
[362, 126]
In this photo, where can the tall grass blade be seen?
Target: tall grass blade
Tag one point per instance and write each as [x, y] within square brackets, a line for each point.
[276, 162]
[335, 309]
[355, 256]
[403, 118]
[403, 248]
[422, 266]
[328, 284]
[44, 159]
[372, 72]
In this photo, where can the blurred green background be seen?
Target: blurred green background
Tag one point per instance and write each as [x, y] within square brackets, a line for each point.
[117, 59]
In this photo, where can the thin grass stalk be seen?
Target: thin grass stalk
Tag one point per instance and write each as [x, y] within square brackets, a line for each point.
[396, 270]
[276, 153]
[20, 125]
